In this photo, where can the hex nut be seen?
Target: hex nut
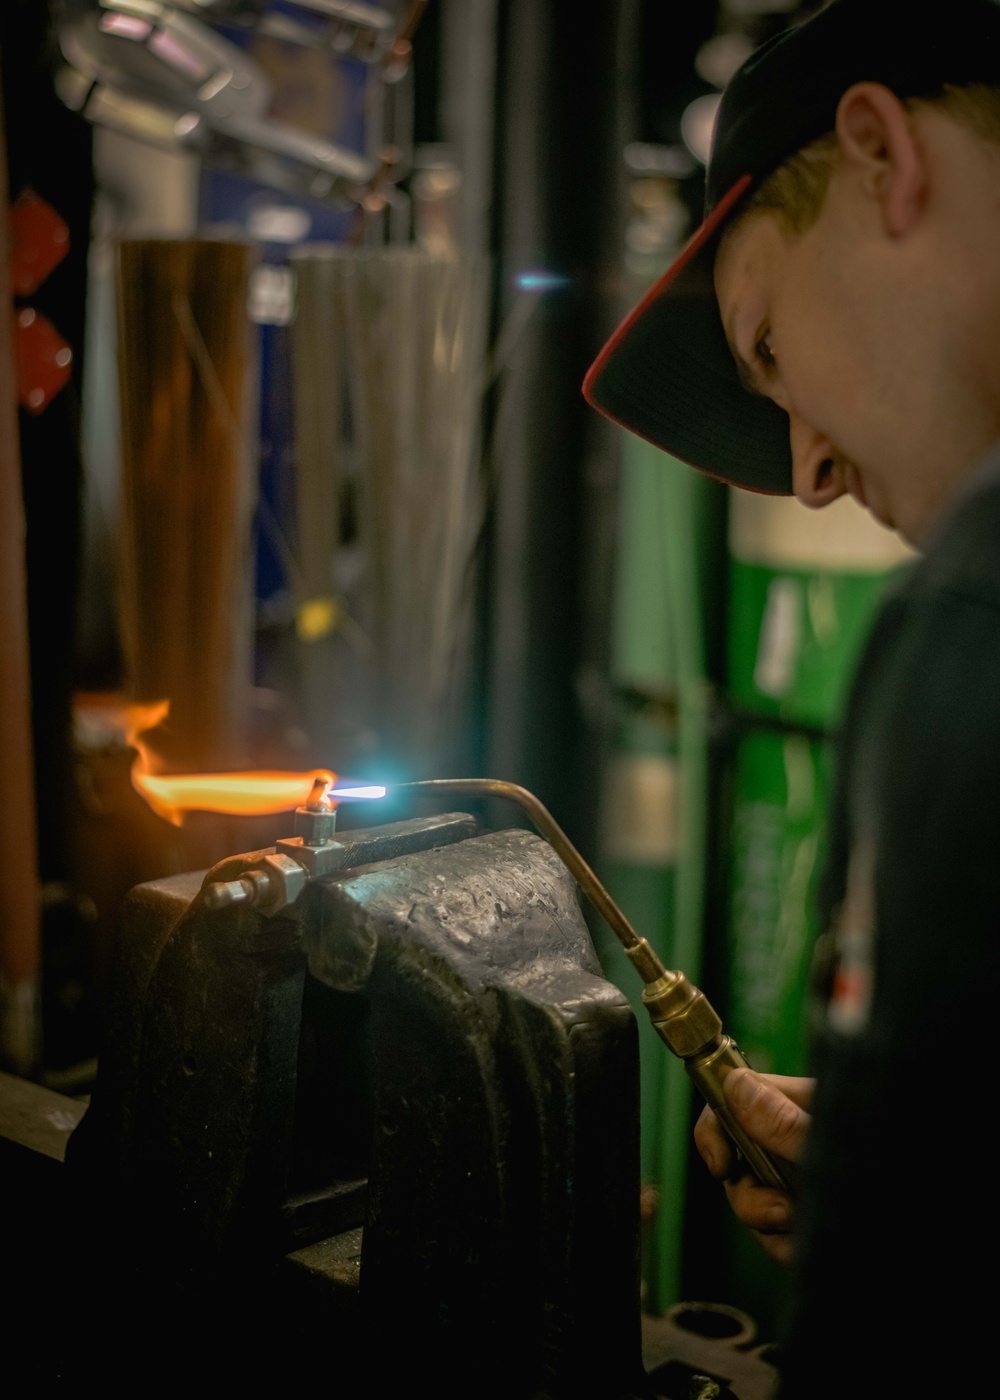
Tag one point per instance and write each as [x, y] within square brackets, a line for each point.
[683, 1016]
[286, 880]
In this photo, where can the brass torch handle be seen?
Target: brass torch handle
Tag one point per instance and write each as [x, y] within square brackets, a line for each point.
[708, 1074]
[685, 1021]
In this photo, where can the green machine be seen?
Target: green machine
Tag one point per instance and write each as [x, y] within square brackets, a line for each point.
[803, 588]
[671, 531]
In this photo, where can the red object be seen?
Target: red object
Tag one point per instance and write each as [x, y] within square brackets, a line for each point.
[43, 359]
[39, 240]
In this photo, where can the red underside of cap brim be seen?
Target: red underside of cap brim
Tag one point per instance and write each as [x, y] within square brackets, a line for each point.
[668, 375]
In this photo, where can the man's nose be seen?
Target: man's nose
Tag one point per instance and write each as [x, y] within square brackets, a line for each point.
[817, 471]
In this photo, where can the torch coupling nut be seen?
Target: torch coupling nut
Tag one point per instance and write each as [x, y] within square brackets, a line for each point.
[683, 1016]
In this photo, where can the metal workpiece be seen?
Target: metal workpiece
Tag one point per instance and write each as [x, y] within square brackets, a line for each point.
[315, 822]
[273, 880]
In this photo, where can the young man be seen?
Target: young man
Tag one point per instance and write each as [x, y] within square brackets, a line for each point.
[834, 327]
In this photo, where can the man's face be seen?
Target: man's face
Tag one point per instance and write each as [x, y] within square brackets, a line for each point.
[804, 337]
[853, 334]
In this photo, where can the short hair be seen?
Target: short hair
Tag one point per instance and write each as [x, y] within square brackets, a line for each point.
[796, 190]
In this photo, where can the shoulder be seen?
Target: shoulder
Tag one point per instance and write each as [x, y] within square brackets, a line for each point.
[964, 556]
[933, 655]
[920, 746]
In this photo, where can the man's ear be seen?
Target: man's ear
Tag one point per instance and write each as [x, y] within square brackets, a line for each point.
[877, 139]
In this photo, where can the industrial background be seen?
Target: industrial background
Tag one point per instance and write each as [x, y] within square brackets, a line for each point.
[292, 438]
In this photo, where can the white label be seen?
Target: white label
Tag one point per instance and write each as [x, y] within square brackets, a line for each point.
[780, 638]
[272, 295]
[640, 809]
[781, 533]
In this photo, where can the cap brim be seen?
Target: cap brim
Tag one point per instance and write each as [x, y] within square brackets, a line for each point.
[668, 375]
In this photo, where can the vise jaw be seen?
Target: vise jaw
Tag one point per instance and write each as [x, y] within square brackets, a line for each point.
[416, 1072]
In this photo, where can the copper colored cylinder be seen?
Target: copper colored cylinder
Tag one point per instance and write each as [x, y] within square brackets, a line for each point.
[186, 378]
[19, 901]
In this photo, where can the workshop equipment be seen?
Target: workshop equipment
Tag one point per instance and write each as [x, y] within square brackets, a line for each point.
[803, 588]
[368, 1094]
[681, 1014]
[164, 77]
[421, 1044]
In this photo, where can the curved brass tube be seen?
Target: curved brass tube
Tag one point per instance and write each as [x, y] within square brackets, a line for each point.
[681, 1014]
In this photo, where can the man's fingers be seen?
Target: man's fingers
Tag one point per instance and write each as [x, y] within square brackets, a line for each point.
[714, 1145]
[767, 1113]
[797, 1089]
[760, 1208]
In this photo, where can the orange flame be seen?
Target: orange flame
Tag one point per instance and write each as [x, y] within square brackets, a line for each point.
[173, 795]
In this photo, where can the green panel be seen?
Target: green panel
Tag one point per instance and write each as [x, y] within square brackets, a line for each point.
[794, 637]
[670, 546]
[642, 641]
[645, 896]
[781, 791]
[638, 867]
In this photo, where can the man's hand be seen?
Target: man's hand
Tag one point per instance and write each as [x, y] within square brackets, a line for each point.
[772, 1108]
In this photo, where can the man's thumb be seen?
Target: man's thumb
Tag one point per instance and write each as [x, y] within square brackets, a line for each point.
[768, 1115]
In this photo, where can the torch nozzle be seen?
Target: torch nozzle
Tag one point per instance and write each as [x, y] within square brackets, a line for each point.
[319, 798]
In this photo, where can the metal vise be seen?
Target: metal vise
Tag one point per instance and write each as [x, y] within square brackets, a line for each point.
[409, 1096]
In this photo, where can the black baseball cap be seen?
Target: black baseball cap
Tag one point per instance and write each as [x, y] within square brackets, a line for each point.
[667, 372]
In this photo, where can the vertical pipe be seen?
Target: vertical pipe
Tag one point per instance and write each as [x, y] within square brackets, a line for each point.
[692, 544]
[468, 110]
[558, 205]
[19, 912]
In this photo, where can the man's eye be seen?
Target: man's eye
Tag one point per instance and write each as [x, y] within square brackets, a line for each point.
[764, 353]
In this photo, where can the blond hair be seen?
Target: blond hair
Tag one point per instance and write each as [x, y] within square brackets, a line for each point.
[796, 190]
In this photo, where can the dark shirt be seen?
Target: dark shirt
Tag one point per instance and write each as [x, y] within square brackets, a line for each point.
[896, 1292]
